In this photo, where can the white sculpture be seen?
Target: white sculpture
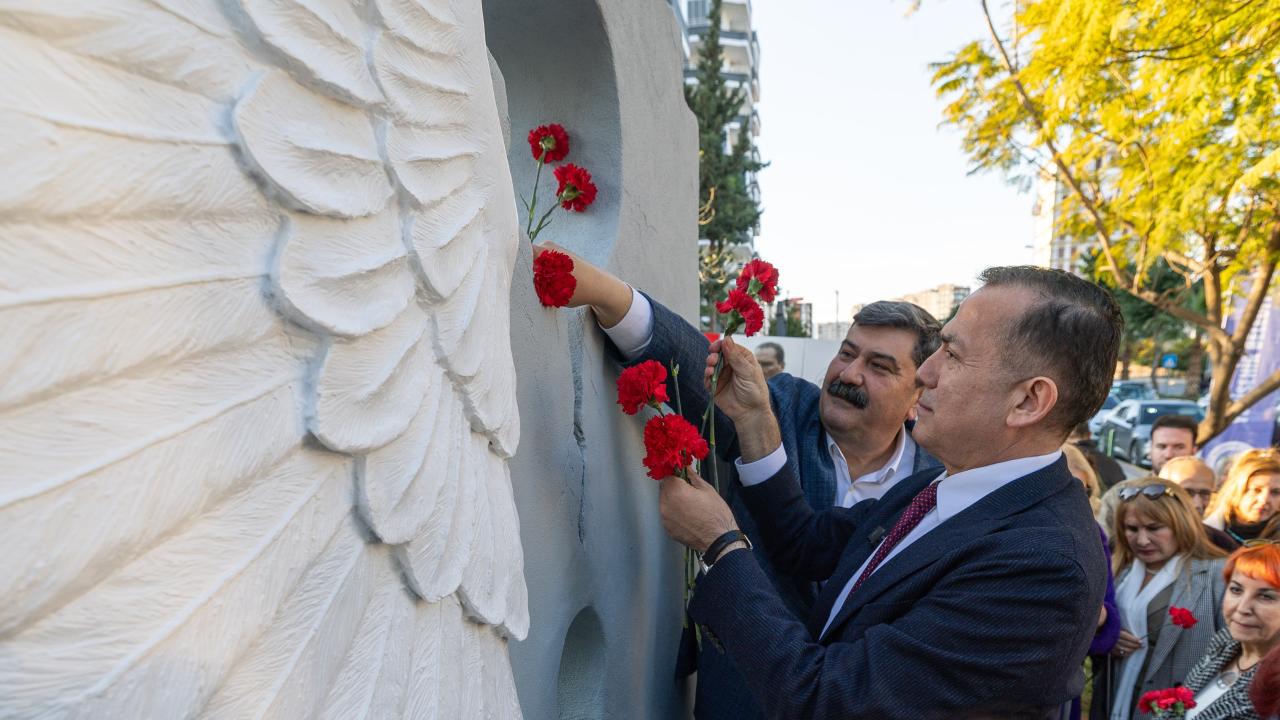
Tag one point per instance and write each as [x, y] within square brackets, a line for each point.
[257, 395]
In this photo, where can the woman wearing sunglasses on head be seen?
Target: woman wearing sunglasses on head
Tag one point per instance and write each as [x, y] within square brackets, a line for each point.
[1249, 497]
[1163, 560]
[1225, 676]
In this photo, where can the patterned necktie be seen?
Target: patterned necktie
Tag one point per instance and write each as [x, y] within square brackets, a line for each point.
[920, 506]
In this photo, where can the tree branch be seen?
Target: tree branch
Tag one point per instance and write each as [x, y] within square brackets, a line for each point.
[1100, 226]
[1258, 290]
[1263, 389]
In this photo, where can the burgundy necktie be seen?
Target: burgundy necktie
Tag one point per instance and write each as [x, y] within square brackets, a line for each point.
[920, 506]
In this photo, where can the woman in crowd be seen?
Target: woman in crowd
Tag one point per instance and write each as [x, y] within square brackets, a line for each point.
[1223, 679]
[1165, 567]
[1249, 497]
[1108, 620]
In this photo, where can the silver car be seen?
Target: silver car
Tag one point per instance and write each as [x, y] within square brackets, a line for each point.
[1126, 432]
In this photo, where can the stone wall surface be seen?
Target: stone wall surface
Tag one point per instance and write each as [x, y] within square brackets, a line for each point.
[270, 343]
[604, 582]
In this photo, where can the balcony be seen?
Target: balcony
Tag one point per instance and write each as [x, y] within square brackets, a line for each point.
[735, 15]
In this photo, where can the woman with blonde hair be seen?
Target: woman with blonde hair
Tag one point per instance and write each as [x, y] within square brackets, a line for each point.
[1083, 471]
[1165, 567]
[1249, 497]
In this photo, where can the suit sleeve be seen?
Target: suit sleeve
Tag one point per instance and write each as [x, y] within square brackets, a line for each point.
[799, 541]
[676, 341]
[1008, 615]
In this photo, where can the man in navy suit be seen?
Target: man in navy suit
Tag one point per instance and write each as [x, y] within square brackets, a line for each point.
[971, 591]
[846, 442]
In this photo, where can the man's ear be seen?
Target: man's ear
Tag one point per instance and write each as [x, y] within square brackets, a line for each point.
[912, 413]
[1034, 399]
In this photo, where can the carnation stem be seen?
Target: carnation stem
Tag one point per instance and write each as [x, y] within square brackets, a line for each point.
[528, 228]
[543, 221]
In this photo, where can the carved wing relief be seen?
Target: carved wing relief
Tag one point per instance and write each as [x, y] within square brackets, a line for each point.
[256, 392]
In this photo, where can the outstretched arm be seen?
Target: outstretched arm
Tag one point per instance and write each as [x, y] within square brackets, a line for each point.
[665, 337]
[607, 296]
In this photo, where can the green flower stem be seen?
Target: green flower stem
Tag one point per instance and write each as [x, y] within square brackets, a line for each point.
[528, 228]
[543, 221]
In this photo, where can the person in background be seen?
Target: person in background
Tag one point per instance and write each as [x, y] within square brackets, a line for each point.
[1249, 496]
[1195, 476]
[1108, 620]
[1084, 471]
[1171, 436]
[1232, 663]
[1163, 560]
[1106, 515]
[771, 358]
[1109, 471]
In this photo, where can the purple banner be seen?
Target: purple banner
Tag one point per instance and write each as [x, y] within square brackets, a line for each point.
[1253, 428]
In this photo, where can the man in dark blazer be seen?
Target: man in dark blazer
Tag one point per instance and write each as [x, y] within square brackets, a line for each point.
[971, 591]
[843, 446]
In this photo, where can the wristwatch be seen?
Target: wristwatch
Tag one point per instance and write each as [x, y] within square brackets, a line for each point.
[716, 549]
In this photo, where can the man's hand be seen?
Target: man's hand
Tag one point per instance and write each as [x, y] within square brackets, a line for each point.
[694, 515]
[743, 394]
[609, 297]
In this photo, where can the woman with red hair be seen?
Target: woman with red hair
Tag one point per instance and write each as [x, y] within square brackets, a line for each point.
[1251, 607]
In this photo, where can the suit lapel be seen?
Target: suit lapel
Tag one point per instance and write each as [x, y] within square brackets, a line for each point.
[973, 522]
[1185, 595]
[863, 543]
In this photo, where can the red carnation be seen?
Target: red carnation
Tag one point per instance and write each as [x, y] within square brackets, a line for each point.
[553, 278]
[746, 308]
[641, 385]
[1157, 701]
[671, 444]
[760, 279]
[1182, 617]
[576, 189]
[550, 143]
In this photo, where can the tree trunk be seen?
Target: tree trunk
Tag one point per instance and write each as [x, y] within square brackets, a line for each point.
[1126, 353]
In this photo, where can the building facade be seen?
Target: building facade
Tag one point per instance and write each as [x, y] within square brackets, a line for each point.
[1050, 248]
[940, 301]
[741, 69]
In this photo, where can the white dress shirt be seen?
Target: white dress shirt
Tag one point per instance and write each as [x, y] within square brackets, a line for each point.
[954, 496]
[634, 331]
[849, 492]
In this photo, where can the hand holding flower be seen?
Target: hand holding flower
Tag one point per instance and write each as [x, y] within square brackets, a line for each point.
[607, 295]
[693, 513]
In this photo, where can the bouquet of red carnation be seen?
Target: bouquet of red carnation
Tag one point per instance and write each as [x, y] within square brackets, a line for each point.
[553, 279]
[1170, 703]
[671, 443]
[758, 282]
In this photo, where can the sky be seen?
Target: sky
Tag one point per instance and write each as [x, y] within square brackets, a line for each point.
[866, 193]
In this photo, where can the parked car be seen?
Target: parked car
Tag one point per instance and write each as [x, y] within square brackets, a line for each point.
[1132, 390]
[1126, 432]
[1095, 422]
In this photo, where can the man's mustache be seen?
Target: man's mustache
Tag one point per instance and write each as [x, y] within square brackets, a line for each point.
[850, 393]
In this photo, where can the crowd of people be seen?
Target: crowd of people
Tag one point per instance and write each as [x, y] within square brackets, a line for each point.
[1180, 539]
[932, 533]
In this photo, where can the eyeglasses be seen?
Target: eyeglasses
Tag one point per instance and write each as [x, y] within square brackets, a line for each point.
[1152, 492]
[1259, 542]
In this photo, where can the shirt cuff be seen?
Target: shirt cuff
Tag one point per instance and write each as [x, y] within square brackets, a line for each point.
[756, 472]
[634, 331]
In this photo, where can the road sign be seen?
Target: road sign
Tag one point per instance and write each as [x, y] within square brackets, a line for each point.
[1169, 361]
